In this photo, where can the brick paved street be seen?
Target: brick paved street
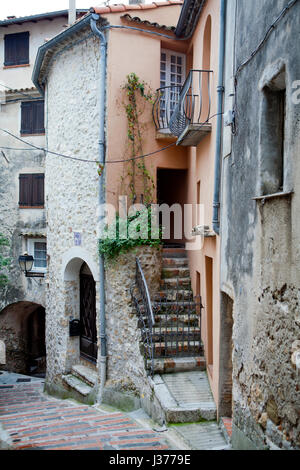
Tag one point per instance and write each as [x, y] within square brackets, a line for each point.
[37, 421]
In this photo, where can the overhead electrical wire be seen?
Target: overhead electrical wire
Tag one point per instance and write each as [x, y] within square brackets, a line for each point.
[92, 161]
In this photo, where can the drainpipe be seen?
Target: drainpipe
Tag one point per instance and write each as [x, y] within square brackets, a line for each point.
[103, 50]
[220, 90]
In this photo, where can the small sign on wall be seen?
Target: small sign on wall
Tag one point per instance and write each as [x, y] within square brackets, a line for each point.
[77, 238]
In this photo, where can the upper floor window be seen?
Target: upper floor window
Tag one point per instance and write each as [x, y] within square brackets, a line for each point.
[31, 190]
[172, 68]
[273, 142]
[16, 49]
[32, 117]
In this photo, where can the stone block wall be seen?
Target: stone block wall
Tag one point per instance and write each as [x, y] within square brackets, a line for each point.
[125, 366]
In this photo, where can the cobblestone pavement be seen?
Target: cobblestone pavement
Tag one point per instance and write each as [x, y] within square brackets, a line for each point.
[34, 420]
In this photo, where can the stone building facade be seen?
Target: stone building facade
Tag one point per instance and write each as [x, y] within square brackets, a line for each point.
[22, 209]
[260, 224]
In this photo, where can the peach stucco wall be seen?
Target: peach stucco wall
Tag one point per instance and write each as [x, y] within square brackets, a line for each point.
[201, 163]
[128, 52]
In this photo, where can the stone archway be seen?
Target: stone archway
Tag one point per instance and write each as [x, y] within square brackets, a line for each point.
[22, 328]
[79, 272]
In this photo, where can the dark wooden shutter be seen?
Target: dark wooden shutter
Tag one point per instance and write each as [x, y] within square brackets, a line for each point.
[25, 190]
[38, 190]
[16, 49]
[32, 190]
[38, 117]
[27, 117]
[32, 117]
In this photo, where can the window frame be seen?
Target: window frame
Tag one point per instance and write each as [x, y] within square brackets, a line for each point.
[17, 61]
[31, 251]
[168, 81]
[30, 204]
[33, 107]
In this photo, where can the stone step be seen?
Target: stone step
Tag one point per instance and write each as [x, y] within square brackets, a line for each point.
[175, 262]
[182, 348]
[174, 253]
[185, 397]
[78, 385]
[182, 321]
[176, 283]
[176, 295]
[177, 364]
[175, 334]
[85, 374]
[174, 306]
[175, 272]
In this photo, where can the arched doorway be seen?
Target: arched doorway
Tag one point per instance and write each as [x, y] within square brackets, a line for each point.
[22, 328]
[88, 330]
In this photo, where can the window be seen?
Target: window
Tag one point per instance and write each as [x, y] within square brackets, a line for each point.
[32, 117]
[273, 129]
[37, 247]
[172, 68]
[31, 192]
[16, 49]
[172, 75]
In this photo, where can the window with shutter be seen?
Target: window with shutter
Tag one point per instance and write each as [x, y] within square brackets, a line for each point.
[31, 190]
[32, 117]
[16, 49]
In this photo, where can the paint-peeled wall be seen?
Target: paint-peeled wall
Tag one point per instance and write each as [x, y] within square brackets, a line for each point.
[260, 248]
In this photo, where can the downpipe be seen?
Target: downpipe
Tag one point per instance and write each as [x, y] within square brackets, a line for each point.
[220, 90]
[101, 202]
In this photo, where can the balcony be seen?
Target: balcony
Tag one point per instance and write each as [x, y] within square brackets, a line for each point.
[184, 111]
[167, 99]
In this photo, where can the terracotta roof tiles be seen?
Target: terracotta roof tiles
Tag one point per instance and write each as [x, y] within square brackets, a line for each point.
[141, 6]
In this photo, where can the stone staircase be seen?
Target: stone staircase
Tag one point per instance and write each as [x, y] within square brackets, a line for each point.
[179, 381]
[81, 384]
[176, 333]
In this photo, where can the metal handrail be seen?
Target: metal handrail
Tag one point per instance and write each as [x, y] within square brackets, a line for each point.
[143, 305]
[144, 291]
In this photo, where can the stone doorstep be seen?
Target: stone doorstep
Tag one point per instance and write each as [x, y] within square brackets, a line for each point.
[187, 413]
[180, 364]
[81, 387]
[85, 374]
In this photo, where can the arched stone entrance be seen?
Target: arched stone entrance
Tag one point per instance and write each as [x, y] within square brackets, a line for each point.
[22, 328]
[81, 285]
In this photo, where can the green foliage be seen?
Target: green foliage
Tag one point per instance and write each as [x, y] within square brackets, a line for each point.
[136, 89]
[4, 261]
[124, 234]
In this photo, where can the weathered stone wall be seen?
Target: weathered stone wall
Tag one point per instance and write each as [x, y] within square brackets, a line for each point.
[72, 192]
[15, 223]
[260, 247]
[125, 367]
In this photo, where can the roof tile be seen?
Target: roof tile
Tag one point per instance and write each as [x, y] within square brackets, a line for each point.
[101, 10]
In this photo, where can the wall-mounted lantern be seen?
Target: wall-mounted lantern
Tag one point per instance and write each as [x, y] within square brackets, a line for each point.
[26, 264]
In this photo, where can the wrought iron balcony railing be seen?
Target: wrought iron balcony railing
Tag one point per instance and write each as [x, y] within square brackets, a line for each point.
[185, 108]
[166, 100]
[193, 107]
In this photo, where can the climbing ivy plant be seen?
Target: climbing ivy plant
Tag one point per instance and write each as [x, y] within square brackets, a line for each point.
[4, 260]
[140, 228]
[136, 171]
